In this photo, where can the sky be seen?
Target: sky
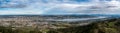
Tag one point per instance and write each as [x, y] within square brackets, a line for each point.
[46, 7]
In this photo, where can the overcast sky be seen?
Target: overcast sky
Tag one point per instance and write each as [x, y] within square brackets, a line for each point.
[15, 7]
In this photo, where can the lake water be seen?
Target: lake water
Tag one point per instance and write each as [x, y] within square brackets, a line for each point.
[76, 19]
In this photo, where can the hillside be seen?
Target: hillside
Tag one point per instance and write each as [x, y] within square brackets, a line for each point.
[108, 26]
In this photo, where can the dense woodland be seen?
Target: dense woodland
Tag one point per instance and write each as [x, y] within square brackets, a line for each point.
[107, 26]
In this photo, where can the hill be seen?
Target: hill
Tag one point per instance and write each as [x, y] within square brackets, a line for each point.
[108, 26]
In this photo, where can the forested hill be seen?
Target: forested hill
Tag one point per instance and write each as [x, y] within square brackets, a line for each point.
[108, 26]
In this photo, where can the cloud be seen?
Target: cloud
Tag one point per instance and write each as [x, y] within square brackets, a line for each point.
[59, 7]
[96, 7]
[19, 11]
